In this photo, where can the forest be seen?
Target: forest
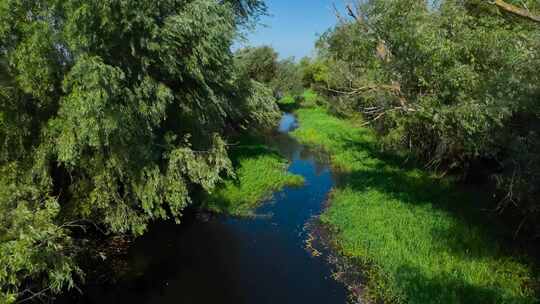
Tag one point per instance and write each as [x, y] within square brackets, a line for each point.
[117, 116]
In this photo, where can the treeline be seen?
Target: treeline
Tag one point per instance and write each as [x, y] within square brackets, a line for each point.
[455, 83]
[113, 114]
[262, 63]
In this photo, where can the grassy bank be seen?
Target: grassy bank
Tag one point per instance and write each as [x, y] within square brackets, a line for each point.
[290, 102]
[287, 100]
[260, 171]
[420, 240]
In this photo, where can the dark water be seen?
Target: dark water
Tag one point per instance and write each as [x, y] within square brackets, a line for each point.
[228, 260]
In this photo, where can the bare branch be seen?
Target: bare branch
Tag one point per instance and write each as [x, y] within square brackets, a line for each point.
[351, 13]
[394, 88]
[337, 13]
[38, 295]
[373, 120]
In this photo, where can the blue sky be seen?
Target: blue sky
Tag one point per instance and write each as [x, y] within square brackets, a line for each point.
[293, 25]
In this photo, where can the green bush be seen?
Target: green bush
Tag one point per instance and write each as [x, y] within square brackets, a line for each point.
[455, 83]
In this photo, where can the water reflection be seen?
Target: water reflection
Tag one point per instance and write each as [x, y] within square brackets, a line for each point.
[288, 123]
[229, 260]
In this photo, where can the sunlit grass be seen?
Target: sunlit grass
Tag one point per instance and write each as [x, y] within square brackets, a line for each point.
[310, 96]
[260, 172]
[290, 102]
[419, 239]
[287, 100]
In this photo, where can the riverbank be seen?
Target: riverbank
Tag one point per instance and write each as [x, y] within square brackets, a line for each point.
[418, 239]
[240, 259]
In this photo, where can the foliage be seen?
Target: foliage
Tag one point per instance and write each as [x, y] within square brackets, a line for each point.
[257, 63]
[309, 98]
[260, 171]
[31, 242]
[111, 112]
[288, 78]
[454, 82]
[419, 238]
[261, 64]
[287, 100]
[254, 106]
[247, 11]
[314, 72]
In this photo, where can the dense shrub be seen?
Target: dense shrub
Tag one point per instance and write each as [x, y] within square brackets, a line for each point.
[454, 82]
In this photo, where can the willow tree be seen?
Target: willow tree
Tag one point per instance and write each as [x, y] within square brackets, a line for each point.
[111, 112]
[258, 63]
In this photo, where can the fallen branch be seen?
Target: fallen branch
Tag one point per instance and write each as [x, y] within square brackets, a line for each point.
[395, 88]
[373, 120]
[381, 112]
[507, 7]
[34, 295]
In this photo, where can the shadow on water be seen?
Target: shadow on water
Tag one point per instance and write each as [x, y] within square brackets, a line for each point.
[230, 260]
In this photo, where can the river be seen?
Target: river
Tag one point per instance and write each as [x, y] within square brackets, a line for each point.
[220, 259]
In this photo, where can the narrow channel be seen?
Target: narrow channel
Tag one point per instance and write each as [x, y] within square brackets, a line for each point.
[236, 260]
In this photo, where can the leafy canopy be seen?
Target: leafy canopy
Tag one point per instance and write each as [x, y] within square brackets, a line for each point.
[111, 112]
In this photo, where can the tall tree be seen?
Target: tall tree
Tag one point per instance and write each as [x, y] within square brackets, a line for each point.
[258, 63]
[111, 112]
[288, 78]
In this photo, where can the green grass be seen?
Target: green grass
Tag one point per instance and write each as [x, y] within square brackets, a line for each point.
[260, 172]
[287, 100]
[291, 102]
[310, 97]
[288, 103]
[419, 240]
